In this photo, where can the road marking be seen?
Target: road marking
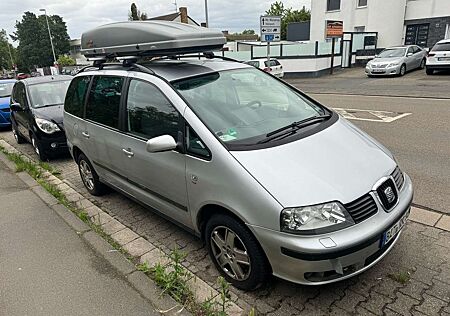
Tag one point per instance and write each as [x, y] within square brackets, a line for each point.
[371, 115]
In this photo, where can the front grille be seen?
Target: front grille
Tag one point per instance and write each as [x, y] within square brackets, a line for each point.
[362, 208]
[380, 66]
[399, 179]
[388, 194]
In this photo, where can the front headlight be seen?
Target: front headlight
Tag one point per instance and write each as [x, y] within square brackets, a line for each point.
[47, 126]
[393, 64]
[315, 219]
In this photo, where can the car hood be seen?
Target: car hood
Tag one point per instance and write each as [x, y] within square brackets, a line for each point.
[52, 113]
[339, 163]
[4, 102]
[385, 60]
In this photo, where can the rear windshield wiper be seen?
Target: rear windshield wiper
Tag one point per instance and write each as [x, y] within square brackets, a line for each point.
[293, 127]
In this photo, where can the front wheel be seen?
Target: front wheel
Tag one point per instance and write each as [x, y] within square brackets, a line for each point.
[89, 177]
[19, 138]
[236, 253]
[38, 149]
[402, 70]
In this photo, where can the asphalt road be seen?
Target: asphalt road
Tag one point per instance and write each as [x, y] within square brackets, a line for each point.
[420, 141]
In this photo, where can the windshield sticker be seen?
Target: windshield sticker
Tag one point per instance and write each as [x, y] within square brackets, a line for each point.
[227, 138]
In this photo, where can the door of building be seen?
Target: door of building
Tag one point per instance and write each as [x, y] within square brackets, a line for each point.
[417, 34]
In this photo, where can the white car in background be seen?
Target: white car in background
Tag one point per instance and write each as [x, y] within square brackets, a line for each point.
[439, 57]
[273, 66]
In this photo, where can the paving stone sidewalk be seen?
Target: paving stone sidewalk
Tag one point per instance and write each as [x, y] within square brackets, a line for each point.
[422, 255]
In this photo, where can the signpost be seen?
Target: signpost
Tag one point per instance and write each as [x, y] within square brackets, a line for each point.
[334, 29]
[270, 27]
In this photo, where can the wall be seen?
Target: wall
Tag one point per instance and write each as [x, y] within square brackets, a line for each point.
[437, 28]
[422, 9]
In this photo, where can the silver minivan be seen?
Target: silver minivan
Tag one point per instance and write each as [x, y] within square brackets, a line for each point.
[273, 181]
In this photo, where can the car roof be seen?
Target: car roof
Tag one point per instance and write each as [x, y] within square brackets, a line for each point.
[173, 70]
[44, 79]
[8, 80]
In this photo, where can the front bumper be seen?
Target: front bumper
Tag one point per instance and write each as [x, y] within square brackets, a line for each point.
[388, 71]
[307, 260]
[54, 144]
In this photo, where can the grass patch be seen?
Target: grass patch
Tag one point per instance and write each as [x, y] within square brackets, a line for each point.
[49, 168]
[83, 216]
[401, 277]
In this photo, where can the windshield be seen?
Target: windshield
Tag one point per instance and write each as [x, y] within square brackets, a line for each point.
[48, 93]
[391, 53]
[441, 47]
[241, 104]
[6, 89]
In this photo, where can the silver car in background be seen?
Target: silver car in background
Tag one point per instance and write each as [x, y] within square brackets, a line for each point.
[397, 61]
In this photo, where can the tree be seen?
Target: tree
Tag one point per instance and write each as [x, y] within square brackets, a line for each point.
[7, 51]
[288, 15]
[34, 42]
[64, 60]
[248, 32]
[135, 14]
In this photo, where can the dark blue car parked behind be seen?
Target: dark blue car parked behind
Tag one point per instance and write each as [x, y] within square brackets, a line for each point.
[5, 94]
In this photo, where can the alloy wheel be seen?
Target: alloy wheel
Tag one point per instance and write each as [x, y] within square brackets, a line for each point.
[230, 253]
[86, 175]
[35, 146]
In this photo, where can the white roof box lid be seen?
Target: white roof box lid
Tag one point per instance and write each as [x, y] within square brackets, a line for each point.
[149, 38]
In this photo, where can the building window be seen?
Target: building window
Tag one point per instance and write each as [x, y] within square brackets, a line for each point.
[447, 32]
[362, 3]
[333, 5]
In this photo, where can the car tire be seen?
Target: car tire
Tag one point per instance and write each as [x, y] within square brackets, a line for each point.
[226, 240]
[423, 63]
[402, 70]
[17, 136]
[430, 71]
[89, 176]
[38, 148]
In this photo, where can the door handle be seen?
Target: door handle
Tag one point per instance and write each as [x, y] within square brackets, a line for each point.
[128, 152]
[85, 134]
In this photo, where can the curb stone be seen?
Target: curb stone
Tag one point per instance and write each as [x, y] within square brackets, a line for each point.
[147, 289]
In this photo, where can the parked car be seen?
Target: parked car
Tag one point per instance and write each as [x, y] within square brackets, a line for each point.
[37, 114]
[273, 181]
[439, 57]
[22, 75]
[6, 86]
[273, 67]
[397, 61]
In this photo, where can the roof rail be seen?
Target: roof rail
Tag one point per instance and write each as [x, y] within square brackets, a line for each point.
[129, 63]
[207, 55]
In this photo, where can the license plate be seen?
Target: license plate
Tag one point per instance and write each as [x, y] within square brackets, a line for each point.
[391, 232]
[378, 70]
[444, 59]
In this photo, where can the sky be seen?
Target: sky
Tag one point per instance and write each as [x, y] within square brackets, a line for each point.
[82, 15]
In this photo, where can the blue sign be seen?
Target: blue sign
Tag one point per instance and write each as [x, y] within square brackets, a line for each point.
[269, 37]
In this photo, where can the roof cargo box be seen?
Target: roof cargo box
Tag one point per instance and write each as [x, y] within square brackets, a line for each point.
[149, 38]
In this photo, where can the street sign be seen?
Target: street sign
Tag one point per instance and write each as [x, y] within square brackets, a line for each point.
[270, 27]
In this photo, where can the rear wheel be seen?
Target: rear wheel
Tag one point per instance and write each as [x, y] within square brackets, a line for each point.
[236, 253]
[430, 71]
[89, 176]
[422, 64]
[19, 138]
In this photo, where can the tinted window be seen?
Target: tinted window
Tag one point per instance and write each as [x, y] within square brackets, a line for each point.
[150, 114]
[19, 95]
[410, 50]
[253, 63]
[48, 93]
[333, 5]
[104, 100]
[195, 146]
[416, 49]
[441, 47]
[362, 3]
[76, 94]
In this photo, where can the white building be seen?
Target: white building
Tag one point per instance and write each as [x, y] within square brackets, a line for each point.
[75, 52]
[398, 22]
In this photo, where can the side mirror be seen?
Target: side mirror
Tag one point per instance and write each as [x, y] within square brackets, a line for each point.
[409, 54]
[15, 107]
[161, 144]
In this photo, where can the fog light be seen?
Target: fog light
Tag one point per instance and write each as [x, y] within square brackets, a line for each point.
[53, 145]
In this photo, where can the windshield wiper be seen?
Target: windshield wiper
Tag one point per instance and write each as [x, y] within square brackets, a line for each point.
[293, 127]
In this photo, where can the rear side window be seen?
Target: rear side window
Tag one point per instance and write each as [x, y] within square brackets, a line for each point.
[76, 95]
[441, 47]
[149, 113]
[253, 63]
[19, 95]
[104, 100]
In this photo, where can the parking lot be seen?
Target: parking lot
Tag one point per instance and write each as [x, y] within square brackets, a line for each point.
[410, 116]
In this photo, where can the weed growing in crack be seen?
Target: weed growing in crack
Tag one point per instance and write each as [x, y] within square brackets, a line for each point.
[83, 216]
[217, 306]
[401, 277]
